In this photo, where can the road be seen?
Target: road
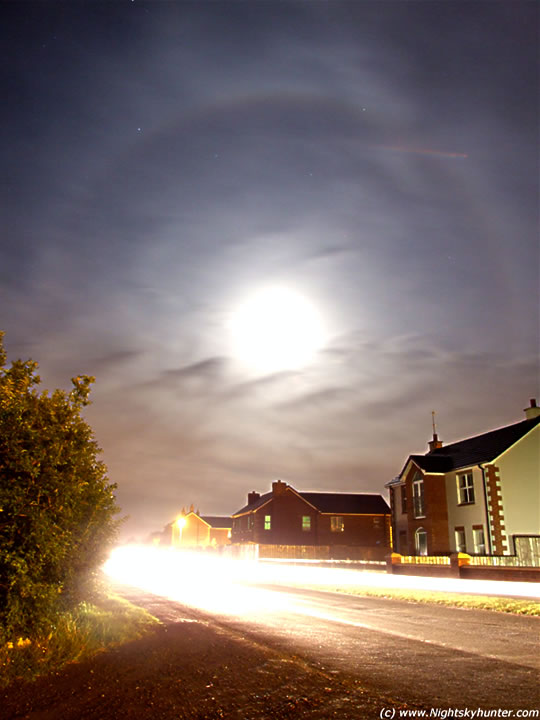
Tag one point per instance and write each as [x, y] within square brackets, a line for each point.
[428, 655]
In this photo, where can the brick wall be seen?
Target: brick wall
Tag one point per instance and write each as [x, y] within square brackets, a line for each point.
[287, 512]
[435, 522]
[367, 530]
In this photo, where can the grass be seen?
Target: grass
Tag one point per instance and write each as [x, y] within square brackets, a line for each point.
[107, 621]
[476, 602]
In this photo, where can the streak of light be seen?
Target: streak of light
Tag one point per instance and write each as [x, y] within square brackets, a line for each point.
[233, 587]
[338, 577]
[194, 579]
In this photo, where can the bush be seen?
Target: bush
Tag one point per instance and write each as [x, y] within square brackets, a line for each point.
[57, 507]
[80, 633]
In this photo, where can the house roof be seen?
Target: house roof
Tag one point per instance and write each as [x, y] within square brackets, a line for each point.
[217, 521]
[472, 451]
[262, 500]
[355, 503]
[345, 503]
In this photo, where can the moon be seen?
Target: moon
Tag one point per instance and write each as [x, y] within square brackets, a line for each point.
[276, 329]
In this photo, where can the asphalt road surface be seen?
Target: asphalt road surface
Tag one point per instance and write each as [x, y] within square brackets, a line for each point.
[421, 654]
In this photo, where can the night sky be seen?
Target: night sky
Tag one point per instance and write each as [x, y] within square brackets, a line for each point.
[372, 167]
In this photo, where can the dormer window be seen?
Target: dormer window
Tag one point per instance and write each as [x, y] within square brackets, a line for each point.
[419, 507]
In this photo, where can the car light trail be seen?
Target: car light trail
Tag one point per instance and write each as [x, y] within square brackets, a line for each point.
[232, 587]
[194, 579]
[337, 577]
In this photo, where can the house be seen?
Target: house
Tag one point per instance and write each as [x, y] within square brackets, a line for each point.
[220, 529]
[285, 516]
[480, 495]
[191, 529]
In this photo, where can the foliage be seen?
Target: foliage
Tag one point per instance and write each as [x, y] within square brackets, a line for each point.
[80, 633]
[56, 505]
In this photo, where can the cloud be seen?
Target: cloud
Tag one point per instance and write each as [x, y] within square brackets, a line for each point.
[114, 359]
[204, 151]
[208, 368]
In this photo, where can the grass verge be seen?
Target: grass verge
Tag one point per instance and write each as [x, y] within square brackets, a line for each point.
[107, 621]
[475, 602]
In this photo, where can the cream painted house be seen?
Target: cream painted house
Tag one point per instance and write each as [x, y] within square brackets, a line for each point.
[480, 495]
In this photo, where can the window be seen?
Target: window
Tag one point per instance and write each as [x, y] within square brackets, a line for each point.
[418, 496]
[420, 542]
[250, 522]
[306, 523]
[465, 489]
[267, 522]
[461, 543]
[479, 541]
[403, 499]
[336, 524]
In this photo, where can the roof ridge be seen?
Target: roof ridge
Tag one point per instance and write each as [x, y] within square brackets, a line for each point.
[440, 451]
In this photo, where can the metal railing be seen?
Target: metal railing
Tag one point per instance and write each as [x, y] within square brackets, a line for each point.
[471, 560]
[503, 561]
[425, 560]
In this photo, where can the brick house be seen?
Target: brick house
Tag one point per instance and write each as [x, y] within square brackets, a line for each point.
[288, 517]
[190, 529]
[480, 495]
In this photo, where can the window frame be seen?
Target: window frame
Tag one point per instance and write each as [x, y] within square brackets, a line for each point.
[465, 493]
[421, 544]
[267, 522]
[418, 496]
[337, 523]
[477, 545]
[306, 523]
[460, 547]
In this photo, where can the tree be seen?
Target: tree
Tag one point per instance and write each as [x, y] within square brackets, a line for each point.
[57, 508]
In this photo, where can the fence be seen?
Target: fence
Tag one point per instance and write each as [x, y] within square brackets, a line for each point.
[425, 559]
[503, 561]
[461, 565]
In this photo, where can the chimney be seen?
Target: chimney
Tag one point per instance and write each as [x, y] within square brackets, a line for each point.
[533, 410]
[253, 497]
[279, 487]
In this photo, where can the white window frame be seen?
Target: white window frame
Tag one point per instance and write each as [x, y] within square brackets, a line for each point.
[420, 545]
[419, 502]
[461, 540]
[465, 488]
[479, 547]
